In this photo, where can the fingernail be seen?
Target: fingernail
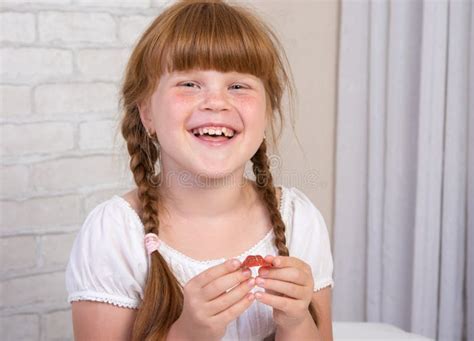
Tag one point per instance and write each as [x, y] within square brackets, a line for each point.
[263, 272]
[251, 282]
[235, 263]
[246, 272]
[258, 295]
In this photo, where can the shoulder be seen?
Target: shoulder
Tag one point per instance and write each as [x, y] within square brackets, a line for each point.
[308, 236]
[131, 199]
[110, 224]
[304, 222]
[108, 260]
[115, 215]
[298, 206]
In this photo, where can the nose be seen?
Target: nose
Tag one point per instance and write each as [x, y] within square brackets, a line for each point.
[215, 100]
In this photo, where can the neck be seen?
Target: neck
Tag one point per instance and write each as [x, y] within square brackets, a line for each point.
[203, 199]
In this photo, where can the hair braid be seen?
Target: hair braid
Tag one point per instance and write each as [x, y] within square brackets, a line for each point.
[162, 303]
[264, 180]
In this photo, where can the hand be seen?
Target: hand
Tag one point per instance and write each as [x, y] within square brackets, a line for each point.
[209, 306]
[288, 289]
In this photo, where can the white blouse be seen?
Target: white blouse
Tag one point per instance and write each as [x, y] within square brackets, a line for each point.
[108, 261]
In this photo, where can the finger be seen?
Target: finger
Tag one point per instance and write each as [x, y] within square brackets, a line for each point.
[273, 292]
[292, 275]
[224, 283]
[289, 289]
[286, 261]
[235, 310]
[269, 259]
[286, 304]
[230, 298]
[206, 277]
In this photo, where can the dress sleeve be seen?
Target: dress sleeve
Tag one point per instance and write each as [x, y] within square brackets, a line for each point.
[309, 239]
[108, 262]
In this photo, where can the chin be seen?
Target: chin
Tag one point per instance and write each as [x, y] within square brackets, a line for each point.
[204, 175]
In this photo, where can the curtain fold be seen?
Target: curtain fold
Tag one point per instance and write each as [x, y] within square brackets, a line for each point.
[454, 199]
[351, 164]
[403, 225]
[468, 295]
[429, 192]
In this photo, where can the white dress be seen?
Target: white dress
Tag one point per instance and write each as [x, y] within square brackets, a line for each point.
[108, 261]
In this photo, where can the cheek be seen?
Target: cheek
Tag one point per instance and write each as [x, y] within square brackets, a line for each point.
[178, 103]
[172, 110]
[252, 109]
[178, 99]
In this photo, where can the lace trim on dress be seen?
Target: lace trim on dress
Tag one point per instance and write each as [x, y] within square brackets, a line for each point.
[218, 260]
[102, 298]
[324, 284]
[207, 261]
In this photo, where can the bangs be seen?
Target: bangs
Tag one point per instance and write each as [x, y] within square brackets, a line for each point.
[210, 35]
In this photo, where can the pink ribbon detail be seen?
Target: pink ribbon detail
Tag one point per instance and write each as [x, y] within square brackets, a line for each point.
[151, 242]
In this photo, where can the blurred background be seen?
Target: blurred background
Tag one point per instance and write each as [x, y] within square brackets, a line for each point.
[384, 148]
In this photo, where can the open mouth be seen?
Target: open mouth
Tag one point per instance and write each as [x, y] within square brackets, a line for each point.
[213, 139]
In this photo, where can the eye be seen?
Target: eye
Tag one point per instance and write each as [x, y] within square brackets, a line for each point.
[189, 85]
[237, 86]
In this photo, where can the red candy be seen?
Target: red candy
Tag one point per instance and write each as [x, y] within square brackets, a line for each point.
[255, 261]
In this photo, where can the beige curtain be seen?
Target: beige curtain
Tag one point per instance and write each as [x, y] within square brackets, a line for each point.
[404, 207]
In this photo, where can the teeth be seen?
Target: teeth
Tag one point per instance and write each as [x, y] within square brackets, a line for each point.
[214, 131]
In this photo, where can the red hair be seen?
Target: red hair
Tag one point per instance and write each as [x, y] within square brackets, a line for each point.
[196, 35]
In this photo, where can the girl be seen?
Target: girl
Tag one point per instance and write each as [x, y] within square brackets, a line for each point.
[202, 86]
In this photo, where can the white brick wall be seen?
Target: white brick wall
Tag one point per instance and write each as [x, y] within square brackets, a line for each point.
[15, 100]
[66, 98]
[10, 20]
[20, 327]
[57, 325]
[24, 65]
[130, 26]
[61, 152]
[72, 27]
[30, 138]
[103, 64]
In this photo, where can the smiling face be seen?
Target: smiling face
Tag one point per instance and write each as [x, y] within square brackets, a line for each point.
[184, 100]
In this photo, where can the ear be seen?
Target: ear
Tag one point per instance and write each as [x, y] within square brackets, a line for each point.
[144, 108]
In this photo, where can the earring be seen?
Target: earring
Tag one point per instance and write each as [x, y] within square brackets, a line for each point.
[152, 136]
[153, 177]
[148, 133]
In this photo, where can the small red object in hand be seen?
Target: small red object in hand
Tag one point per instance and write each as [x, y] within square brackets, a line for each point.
[255, 261]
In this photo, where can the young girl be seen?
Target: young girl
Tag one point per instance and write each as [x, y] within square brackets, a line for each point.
[202, 86]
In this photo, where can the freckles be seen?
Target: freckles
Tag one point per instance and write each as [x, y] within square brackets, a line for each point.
[248, 103]
[246, 99]
[181, 100]
[245, 102]
[175, 104]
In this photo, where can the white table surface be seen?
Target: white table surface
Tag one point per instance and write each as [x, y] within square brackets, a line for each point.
[359, 331]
